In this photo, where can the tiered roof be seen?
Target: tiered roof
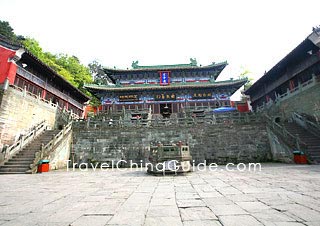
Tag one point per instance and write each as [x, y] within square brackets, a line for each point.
[173, 86]
[216, 69]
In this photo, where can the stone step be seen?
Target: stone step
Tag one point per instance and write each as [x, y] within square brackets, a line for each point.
[13, 172]
[27, 152]
[23, 169]
[26, 156]
[309, 136]
[23, 158]
[13, 162]
[311, 141]
[20, 163]
[313, 151]
[15, 166]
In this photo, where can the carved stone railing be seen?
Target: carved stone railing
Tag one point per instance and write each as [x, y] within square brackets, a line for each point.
[10, 151]
[46, 149]
[292, 140]
[63, 112]
[290, 93]
[313, 127]
[234, 118]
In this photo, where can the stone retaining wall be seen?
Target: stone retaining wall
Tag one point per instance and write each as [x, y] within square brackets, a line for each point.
[219, 143]
[19, 111]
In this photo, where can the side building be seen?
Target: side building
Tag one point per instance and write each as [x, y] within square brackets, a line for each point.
[31, 92]
[297, 74]
[164, 88]
[289, 95]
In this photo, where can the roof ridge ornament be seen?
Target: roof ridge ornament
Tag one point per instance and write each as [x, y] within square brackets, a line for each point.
[134, 64]
[193, 62]
[316, 30]
[315, 36]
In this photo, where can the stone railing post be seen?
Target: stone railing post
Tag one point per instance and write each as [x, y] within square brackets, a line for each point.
[53, 140]
[25, 91]
[314, 78]
[88, 123]
[247, 118]
[21, 141]
[299, 86]
[288, 91]
[41, 151]
[6, 84]
[298, 141]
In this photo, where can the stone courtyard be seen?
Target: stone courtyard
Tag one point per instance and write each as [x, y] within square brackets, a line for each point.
[277, 195]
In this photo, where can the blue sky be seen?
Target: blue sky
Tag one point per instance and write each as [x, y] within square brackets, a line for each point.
[248, 34]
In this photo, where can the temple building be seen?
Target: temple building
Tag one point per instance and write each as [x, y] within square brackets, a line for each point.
[294, 74]
[31, 93]
[164, 88]
[24, 70]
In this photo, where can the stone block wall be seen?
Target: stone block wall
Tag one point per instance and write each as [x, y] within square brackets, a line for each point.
[19, 112]
[279, 150]
[60, 156]
[219, 143]
[307, 101]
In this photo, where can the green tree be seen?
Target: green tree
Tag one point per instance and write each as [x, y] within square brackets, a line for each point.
[67, 66]
[245, 75]
[98, 74]
[34, 47]
[95, 67]
[7, 31]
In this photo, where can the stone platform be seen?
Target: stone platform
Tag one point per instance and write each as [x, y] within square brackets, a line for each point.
[277, 195]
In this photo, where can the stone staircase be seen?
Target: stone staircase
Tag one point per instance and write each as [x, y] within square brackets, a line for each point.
[20, 163]
[312, 141]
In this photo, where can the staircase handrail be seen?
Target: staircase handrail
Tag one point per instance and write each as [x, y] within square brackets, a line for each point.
[306, 123]
[45, 150]
[295, 140]
[23, 140]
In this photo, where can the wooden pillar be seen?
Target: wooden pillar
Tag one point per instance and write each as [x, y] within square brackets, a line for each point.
[43, 94]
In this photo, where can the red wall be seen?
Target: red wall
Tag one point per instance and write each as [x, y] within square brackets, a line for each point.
[7, 69]
[243, 107]
[90, 108]
[240, 105]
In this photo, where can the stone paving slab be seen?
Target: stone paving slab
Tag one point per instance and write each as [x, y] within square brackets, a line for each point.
[97, 220]
[236, 220]
[161, 221]
[197, 213]
[202, 223]
[279, 195]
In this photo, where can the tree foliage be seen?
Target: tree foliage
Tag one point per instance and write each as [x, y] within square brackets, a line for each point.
[245, 74]
[67, 66]
[7, 31]
[98, 74]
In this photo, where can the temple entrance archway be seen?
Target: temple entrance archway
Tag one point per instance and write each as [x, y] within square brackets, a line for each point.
[166, 110]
